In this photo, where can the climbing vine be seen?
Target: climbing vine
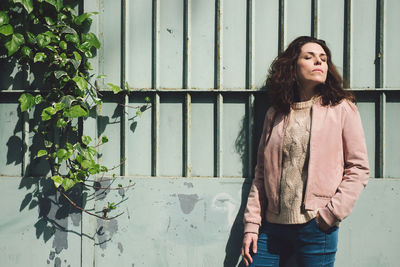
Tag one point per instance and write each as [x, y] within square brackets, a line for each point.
[50, 36]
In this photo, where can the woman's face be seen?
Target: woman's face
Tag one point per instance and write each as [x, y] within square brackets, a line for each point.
[312, 66]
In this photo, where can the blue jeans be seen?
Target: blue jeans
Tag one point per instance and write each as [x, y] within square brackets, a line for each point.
[311, 246]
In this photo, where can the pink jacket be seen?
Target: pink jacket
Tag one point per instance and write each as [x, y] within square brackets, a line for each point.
[338, 168]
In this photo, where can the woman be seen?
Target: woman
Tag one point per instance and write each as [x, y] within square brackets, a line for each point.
[311, 164]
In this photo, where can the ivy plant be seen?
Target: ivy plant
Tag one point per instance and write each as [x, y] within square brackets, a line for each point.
[51, 36]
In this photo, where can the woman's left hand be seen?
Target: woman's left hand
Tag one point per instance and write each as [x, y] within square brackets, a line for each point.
[321, 223]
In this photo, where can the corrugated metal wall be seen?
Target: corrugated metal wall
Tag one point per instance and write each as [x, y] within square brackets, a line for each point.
[203, 64]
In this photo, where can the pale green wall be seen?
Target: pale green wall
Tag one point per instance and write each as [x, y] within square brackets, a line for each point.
[191, 156]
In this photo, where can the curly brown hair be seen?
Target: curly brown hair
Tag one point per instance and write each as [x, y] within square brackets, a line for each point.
[282, 83]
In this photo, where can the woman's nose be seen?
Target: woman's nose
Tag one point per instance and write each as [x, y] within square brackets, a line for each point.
[318, 61]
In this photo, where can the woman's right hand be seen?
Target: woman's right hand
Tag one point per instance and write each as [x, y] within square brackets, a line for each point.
[249, 239]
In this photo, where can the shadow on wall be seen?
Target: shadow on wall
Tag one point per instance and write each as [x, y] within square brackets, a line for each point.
[53, 213]
[234, 244]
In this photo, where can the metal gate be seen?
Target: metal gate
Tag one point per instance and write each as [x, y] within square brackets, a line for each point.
[203, 63]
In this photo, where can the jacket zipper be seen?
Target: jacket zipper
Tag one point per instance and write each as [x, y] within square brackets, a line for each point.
[309, 158]
[286, 123]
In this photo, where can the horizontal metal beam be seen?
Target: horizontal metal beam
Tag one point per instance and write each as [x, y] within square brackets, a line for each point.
[200, 90]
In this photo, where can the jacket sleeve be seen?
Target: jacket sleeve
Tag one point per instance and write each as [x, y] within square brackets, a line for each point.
[356, 168]
[256, 202]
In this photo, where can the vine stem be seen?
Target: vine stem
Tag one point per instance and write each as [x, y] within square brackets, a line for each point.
[108, 188]
[85, 211]
[135, 107]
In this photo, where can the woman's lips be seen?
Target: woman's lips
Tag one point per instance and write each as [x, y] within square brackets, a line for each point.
[318, 70]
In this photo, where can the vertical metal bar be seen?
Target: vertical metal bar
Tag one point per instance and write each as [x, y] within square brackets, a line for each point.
[124, 117]
[380, 20]
[250, 130]
[156, 45]
[219, 84]
[347, 45]
[250, 44]
[101, 39]
[187, 44]
[281, 37]
[155, 133]
[25, 145]
[379, 83]
[219, 166]
[219, 44]
[382, 131]
[315, 19]
[155, 84]
[187, 170]
[250, 83]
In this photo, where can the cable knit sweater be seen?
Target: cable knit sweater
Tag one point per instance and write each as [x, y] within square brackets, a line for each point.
[296, 144]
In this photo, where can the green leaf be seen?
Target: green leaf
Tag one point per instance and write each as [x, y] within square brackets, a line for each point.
[60, 73]
[14, 44]
[6, 30]
[30, 38]
[39, 57]
[111, 206]
[52, 36]
[75, 63]
[87, 164]
[58, 180]
[86, 139]
[27, 101]
[77, 55]
[63, 45]
[91, 38]
[27, 52]
[67, 100]
[95, 169]
[92, 151]
[38, 99]
[4, 19]
[103, 169]
[62, 153]
[43, 40]
[68, 29]
[100, 76]
[68, 184]
[147, 99]
[61, 123]
[28, 5]
[75, 112]
[80, 19]
[85, 46]
[80, 82]
[58, 4]
[116, 89]
[104, 139]
[59, 106]
[51, 48]
[138, 113]
[49, 20]
[88, 54]
[41, 153]
[47, 113]
[48, 143]
[73, 38]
